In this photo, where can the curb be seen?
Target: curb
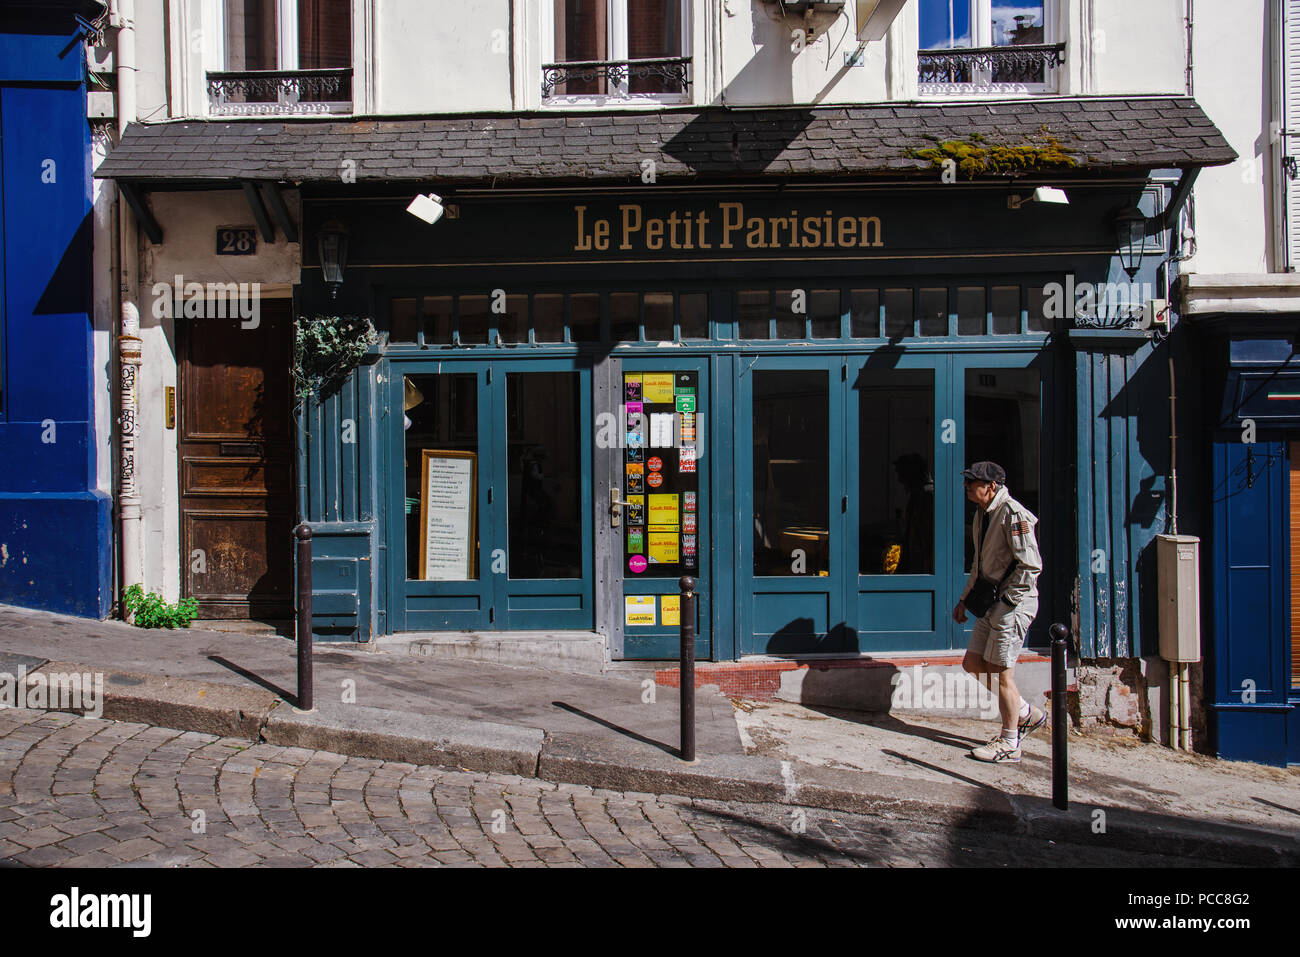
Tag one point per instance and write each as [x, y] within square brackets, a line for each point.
[565, 758]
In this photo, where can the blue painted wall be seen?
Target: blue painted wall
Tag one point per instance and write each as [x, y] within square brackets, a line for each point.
[55, 527]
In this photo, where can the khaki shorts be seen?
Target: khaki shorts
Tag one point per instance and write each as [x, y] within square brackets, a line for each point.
[1000, 634]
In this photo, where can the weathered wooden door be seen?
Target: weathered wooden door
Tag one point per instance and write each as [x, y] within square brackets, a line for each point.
[235, 460]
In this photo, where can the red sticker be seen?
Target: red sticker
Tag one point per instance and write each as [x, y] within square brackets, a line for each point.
[655, 479]
[655, 463]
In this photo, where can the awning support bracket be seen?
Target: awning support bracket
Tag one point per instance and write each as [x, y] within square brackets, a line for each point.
[259, 210]
[275, 200]
[1179, 196]
[143, 216]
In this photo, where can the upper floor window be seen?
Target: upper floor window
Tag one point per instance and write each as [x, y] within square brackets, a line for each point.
[988, 46]
[284, 56]
[618, 51]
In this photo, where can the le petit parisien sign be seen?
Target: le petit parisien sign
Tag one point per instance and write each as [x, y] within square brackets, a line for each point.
[725, 226]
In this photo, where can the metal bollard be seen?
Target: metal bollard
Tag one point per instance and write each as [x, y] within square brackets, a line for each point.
[1060, 722]
[688, 668]
[303, 534]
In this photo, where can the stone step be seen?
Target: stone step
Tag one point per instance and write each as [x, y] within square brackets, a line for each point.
[577, 652]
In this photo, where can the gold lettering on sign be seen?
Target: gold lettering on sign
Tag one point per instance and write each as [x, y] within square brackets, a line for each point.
[689, 230]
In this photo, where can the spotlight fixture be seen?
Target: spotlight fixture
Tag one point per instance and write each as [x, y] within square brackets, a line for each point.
[1043, 194]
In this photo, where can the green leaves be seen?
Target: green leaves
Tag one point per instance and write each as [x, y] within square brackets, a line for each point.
[326, 349]
[152, 611]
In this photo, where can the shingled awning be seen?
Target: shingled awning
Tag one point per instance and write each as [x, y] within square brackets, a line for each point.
[1104, 135]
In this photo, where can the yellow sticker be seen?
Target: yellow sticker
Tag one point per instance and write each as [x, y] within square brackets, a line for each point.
[639, 610]
[658, 387]
[663, 547]
[672, 610]
[663, 509]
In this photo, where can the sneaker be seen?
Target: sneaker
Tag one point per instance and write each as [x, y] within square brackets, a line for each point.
[1036, 718]
[997, 751]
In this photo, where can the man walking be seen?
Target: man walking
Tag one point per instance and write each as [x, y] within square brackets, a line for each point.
[1002, 591]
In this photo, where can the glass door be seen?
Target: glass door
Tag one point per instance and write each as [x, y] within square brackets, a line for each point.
[900, 489]
[489, 523]
[791, 506]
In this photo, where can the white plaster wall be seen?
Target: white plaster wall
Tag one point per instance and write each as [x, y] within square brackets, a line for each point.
[151, 56]
[1139, 46]
[104, 321]
[1232, 81]
[442, 57]
[189, 222]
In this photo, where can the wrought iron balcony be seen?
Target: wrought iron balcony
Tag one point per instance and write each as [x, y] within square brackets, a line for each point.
[279, 92]
[660, 75]
[1015, 63]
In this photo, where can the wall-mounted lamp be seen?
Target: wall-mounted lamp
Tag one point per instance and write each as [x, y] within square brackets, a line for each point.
[1130, 238]
[1043, 194]
[332, 248]
[429, 207]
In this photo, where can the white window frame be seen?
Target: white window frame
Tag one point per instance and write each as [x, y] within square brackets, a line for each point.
[616, 43]
[981, 18]
[286, 57]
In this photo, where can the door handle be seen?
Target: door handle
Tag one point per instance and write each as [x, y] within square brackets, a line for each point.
[616, 505]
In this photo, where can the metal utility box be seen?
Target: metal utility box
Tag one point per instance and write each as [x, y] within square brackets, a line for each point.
[1178, 568]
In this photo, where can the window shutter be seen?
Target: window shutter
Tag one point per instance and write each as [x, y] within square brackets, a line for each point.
[1291, 127]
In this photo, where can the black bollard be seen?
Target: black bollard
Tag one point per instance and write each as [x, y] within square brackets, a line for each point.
[1060, 722]
[303, 534]
[688, 668]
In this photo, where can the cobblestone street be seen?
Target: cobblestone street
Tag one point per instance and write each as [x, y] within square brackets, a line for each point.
[86, 792]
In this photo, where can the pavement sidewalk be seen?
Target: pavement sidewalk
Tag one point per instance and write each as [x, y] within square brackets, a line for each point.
[619, 731]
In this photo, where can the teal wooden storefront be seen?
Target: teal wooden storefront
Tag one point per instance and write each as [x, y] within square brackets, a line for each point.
[839, 388]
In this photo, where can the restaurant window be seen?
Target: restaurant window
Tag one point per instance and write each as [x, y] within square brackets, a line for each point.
[306, 43]
[980, 46]
[612, 50]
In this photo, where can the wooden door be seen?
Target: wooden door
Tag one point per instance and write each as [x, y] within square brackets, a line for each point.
[1295, 563]
[236, 447]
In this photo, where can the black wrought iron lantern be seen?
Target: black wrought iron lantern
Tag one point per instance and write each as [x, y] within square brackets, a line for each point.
[1130, 237]
[332, 248]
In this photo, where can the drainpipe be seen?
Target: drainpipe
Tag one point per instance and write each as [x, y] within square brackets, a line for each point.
[122, 14]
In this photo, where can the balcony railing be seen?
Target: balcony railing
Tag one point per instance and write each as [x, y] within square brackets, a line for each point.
[1016, 63]
[661, 76]
[280, 92]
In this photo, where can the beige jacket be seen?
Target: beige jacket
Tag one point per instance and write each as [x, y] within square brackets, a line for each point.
[1010, 538]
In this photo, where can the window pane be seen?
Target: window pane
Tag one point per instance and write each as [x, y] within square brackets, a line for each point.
[791, 324]
[654, 29]
[443, 415]
[895, 481]
[1015, 23]
[325, 43]
[945, 24]
[581, 33]
[752, 312]
[475, 317]
[1006, 310]
[659, 316]
[1037, 321]
[544, 465]
[824, 311]
[250, 35]
[548, 317]
[898, 313]
[584, 317]
[437, 320]
[694, 318]
[791, 472]
[933, 307]
[971, 313]
[513, 323]
[1002, 426]
[623, 319]
[864, 314]
[402, 320]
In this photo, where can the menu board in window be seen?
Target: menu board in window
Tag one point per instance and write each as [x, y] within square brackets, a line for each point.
[660, 477]
[448, 533]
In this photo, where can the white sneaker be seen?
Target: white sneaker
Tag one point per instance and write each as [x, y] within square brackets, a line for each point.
[998, 751]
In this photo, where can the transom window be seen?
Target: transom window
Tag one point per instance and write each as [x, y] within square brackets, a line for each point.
[610, 51]
[987, 46]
